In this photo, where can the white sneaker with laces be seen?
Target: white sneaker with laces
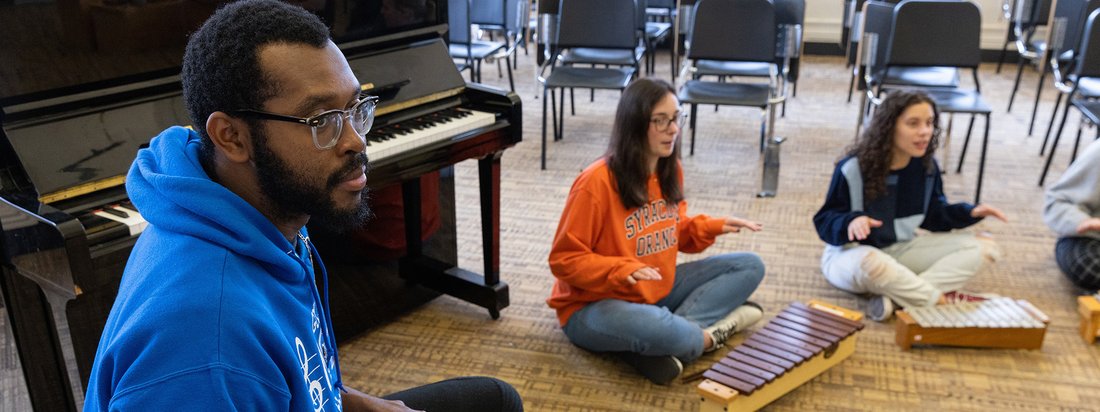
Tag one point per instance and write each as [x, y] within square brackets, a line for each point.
[736, 321]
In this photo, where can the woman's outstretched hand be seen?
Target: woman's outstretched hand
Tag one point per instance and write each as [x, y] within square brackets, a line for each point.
[735, 224]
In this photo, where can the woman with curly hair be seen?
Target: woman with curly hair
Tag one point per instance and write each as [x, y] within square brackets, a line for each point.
[885, 188]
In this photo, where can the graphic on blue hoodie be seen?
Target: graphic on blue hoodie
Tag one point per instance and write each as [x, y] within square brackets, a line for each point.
[217, 310]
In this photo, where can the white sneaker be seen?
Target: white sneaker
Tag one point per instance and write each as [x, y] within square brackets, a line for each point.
[736, 321]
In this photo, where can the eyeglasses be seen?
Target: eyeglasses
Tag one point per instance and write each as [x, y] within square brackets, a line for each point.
[327, 126]
[663, 123]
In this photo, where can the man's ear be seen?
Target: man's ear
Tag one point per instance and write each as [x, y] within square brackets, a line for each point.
[230, 136]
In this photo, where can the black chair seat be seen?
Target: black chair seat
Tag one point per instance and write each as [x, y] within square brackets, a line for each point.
[922, 76]
[589, 78]
[730, 94]
[478, 49]
[614, 57]
[656, 30]
[959, 101]
[730, 68]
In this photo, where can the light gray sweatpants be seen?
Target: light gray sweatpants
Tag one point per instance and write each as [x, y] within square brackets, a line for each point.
[912, 273]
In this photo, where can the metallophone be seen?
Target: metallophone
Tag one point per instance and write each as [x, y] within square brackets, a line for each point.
[1089, 308]
[994, 323]
[800, 343]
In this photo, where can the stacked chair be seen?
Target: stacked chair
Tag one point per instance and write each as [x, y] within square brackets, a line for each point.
[733, 32]
[508, 17]
[935, 35]
[1086, 68]
[463, 45]
[587, 28]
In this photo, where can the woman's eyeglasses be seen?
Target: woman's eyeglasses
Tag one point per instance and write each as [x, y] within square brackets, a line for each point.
[663, 123]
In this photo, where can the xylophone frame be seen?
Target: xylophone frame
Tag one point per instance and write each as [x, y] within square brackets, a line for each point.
[721, 398]
[909, 332]
[1089, 309]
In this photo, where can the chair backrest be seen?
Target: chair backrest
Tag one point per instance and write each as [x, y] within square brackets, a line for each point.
[733, 30]
[878, 19]
[1088, 56]
[608, 24]
[935, 33]
[458, 21]
[790, 11]
[1030, 13]
[662, 4]
[497, 14]
[1071, 15]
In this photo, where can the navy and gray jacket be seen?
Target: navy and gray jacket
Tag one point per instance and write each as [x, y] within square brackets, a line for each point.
[914, 198]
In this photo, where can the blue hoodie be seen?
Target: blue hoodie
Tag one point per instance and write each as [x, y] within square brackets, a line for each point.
[216, 310]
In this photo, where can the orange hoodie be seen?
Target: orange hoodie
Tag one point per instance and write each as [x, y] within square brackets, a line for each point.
[600, 242]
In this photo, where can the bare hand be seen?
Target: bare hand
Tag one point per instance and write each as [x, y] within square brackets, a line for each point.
[986, 211]
[734, 225]
[359, 401]
[1091, 224]
[861, 227]
[646, 273]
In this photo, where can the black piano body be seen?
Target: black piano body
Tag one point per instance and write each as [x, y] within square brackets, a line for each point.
[65, 157]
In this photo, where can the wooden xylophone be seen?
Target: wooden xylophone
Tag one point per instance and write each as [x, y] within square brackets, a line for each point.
[993, 323]
[800, 343]
[1089, 309]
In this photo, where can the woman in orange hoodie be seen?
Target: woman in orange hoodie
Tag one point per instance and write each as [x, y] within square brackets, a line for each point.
[618, 286]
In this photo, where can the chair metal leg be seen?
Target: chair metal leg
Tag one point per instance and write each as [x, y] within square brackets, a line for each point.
[794, 90]
[511, 82]
[1054, 144]
[1050, 125]
[1035, 109]
[1076, 141]
[981, 161]
[692, 116]
[561, 115]
[553, 112]
[862, 113]
[543, 128]
[966, 143]
[573, 101]
[1004, 51]
[1016, 84]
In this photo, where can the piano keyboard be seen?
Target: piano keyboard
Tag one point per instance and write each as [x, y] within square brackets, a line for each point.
[413, 133]
[112, 222]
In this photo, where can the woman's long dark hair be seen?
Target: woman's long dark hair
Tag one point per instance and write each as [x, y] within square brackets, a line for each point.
[626, 152]
[874, 149]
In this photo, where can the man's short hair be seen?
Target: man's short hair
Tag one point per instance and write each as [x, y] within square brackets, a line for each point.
[221, 69]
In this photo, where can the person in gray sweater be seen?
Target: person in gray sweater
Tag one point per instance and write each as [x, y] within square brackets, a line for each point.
[1072, 211]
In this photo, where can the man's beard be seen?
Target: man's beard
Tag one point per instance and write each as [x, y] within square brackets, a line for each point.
[290, 194]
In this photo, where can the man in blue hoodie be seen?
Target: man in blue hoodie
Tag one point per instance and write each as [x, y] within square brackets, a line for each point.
[218, 307]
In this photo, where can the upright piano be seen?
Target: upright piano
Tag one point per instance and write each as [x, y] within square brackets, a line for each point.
[67, 225]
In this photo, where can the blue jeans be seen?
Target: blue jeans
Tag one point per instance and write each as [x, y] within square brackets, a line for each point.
[704, 292]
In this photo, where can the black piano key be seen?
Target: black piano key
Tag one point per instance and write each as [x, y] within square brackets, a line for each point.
[115, 212]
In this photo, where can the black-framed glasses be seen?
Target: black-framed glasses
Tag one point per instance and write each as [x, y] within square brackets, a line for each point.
[327, 126]
[663, 123]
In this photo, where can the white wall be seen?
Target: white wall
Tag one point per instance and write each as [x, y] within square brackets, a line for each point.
[824, 20]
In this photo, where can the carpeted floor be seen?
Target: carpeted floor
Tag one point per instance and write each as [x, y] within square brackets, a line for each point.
[447, 337]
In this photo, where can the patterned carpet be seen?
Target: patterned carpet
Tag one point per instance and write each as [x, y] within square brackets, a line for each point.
[448, 337]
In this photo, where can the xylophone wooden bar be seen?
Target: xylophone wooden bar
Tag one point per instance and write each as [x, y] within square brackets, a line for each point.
[800, 343]
[1089, 309]
[996, 323]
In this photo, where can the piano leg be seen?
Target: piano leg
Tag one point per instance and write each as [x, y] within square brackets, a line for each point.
[44, 349]
[488, 169]
[485, 290]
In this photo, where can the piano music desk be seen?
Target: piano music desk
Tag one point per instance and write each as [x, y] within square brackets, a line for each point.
[1089, 309]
